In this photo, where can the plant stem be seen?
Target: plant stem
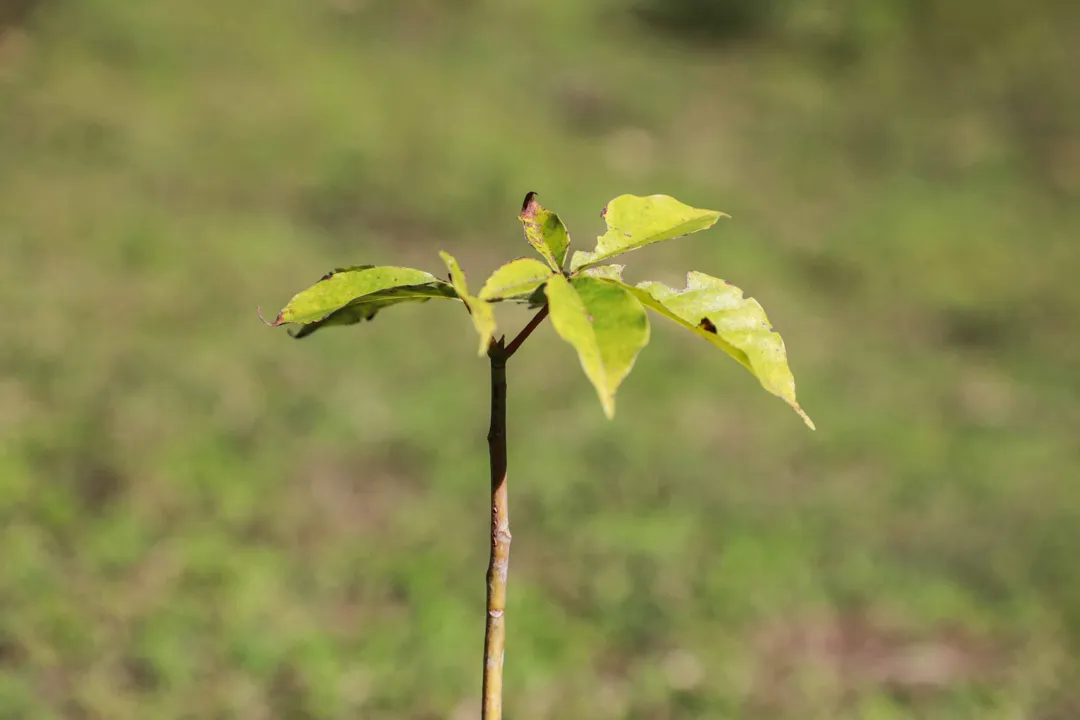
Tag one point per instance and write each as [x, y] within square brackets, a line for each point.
[495, 635]
[495, 632]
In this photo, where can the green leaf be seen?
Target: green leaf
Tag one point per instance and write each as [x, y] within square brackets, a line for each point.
[607, 326]
[353, 314]
[634, 222]
[483, 314]
[350, 295]
[545, 232]
[718, 312]
[516, 280]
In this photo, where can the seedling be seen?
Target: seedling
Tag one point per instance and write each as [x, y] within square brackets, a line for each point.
[591, 307]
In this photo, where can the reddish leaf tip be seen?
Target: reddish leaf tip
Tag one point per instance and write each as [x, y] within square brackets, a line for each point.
[530, 205]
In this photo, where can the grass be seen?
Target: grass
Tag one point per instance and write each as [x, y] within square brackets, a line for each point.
[202, 518]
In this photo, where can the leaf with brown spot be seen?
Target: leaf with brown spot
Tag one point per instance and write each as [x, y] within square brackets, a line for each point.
[716, 310]
[545, 232]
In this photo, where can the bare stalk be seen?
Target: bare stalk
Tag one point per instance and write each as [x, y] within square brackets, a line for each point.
[495, 636]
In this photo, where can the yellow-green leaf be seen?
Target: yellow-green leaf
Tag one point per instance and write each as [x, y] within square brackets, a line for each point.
[516, 280]
[607, 326]
[483, 314]
[545, 232]
[350, 295]
[604, 272]
[635, 222]
[718, 312]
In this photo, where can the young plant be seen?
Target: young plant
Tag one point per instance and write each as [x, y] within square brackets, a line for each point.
[591, 308]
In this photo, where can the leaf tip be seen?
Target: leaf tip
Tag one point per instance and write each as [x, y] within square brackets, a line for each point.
[277, 321]
[806, 418]
[529, 205]
[607, 402]
[485, 345]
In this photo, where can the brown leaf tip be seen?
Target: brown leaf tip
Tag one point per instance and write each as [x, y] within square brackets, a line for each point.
[277, 321]
[529, 206]
[707, 325]
[603, 213]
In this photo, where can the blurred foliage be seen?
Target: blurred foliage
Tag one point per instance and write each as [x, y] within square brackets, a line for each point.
[202, 518]
[717, 21]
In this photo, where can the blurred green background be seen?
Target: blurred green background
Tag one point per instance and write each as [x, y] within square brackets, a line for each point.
[201, 518]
